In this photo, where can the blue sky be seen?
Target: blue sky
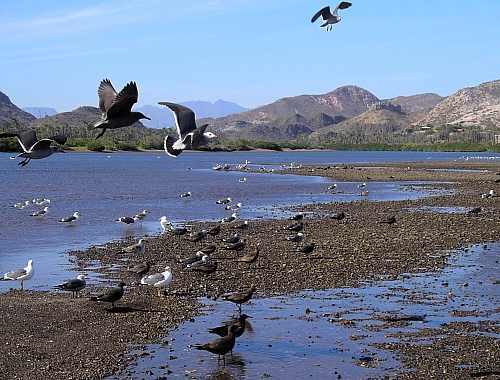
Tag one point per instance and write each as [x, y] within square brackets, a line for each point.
[54, 53]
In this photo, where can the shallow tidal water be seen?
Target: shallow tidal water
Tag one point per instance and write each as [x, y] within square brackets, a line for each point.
[324, 334]
[104, 187]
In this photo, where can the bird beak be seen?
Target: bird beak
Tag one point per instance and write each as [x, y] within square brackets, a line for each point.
[147, 118]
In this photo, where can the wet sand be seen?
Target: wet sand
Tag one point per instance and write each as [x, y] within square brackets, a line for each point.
[347, 253]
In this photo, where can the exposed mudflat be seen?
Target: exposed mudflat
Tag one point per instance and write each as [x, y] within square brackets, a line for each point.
[347, 254]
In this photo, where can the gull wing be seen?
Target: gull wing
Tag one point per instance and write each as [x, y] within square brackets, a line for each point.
[15, 274]
[123, 102]
[152, 279]
[107, 95]
[325, 13]
[43, 144]
[342, 5]
[185, 119]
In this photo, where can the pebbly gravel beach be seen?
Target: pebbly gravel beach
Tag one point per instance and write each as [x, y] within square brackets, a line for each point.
[49, 335]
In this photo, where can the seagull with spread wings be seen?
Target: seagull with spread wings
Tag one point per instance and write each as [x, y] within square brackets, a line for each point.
[189, 135]
[117, 107]
[330, 17]
[33, 148]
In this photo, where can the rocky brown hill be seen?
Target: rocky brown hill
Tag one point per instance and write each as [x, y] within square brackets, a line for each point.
[9, 111]
[289, 117]
[478, 105]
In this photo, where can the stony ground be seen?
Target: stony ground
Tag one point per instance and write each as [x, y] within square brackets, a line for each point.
[347, 252]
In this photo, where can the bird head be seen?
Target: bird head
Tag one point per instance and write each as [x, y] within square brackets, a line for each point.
[139, 115]
[46, 209]
[204, 258]
[81, 277]
[30, 262]
[210, 135]
[168, 269]
[76, 214]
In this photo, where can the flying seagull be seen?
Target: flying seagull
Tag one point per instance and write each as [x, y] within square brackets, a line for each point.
[189, 135]
[117, 107]
[158, 280]
[74, 286]
[330, 17]
[33, 148]
[22, 275]
[112, 295]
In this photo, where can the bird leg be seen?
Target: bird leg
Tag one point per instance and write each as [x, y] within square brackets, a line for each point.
[22, 285]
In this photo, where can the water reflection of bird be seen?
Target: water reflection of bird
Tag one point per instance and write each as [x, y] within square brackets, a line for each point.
[220, 346]
[239, 298]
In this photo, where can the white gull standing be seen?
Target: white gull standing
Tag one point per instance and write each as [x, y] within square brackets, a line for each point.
[22, 275]
[158, 280]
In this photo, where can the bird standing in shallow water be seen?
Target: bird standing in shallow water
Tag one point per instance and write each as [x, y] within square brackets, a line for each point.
[239, 298]
[221, 346]
[117, 107]
[241, 322]
[22, 275]
[189, 135]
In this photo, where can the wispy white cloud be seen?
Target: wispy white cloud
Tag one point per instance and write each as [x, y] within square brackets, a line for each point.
[99, 17]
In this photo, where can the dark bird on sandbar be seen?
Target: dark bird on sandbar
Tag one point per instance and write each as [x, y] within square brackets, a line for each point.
[33, 148]
[179, 231]
[232, 239]
[116, 107]
[139, 269]
[112, 295]
[221, 346]
[214, 231]
[204, 266]
[297, 238]
[241, 322]
[198, 236]
[190, 136]
[296, 227]
[297, 217]
[330, 18]
[208, 249]
[192, 259]
[475, 211]
[307, 248]
[239, 298]
[127, 219]
[338, 216]
[389, 220]
[74, 286]
[238, 246]
[250, 257]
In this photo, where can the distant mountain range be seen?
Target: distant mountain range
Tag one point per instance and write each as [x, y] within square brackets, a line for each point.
[161, 117]
[348, 110]
[40, 112]
[9, 111]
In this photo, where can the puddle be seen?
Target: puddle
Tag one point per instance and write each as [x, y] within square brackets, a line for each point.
[326, 333]
[441, 209]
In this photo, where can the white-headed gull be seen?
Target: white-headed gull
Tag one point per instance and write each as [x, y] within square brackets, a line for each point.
[158, 280]
[22, 275]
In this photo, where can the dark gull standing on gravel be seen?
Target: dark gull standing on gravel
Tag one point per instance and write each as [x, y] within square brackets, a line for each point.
[23, 274]
[116, 107]
[189, 135]
[74, 286]
[33, 148]
[112, 295]
[330, 17]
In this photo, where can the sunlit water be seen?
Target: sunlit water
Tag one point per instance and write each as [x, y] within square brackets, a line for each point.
[323, 334]
[103, 187]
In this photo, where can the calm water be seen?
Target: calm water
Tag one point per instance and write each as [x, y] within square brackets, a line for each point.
[104, 187]
[339, 334]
